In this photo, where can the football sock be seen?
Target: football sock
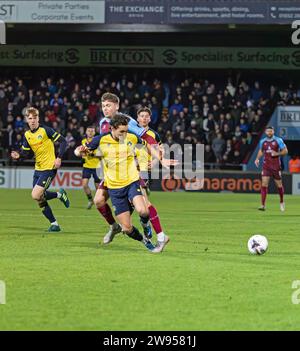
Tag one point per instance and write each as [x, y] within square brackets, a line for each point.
[281, 192]
[107, 214]
[155, 219]
[161, 237]
[47, 212]
[135, 234]
[54, 223]
[264, 191]
[49, 195]
[89, 196]
[144, 221]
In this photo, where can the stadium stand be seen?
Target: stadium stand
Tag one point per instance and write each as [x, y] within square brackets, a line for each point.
[227, 114]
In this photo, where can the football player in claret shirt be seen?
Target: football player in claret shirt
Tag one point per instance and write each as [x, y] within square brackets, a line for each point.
[271, 148]
[40, 140]
[91, 164]
[145, 162]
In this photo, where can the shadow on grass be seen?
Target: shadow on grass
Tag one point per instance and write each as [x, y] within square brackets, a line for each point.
[102, 247]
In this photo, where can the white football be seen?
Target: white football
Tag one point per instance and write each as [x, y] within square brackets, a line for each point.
[257, 244]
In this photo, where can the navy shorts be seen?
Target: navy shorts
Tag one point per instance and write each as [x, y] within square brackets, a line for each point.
[87, 173]
[44, 178]
[121, 198]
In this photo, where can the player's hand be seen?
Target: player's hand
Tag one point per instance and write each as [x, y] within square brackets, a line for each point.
[256, 162]
[57, 163]
[81, 150]
[15, 155]
[167, 163]
[274, 154]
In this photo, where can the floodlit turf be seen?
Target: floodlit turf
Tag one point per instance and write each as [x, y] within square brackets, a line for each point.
[204, 280]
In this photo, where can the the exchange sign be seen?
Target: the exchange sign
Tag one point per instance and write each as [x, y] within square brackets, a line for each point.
[158, 57]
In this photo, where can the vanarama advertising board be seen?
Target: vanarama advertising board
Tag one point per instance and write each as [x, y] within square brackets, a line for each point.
[238, 182]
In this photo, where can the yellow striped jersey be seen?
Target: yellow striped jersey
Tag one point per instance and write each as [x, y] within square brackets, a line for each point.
[118, 159]
[41, 142]
[142, 156]
[90, 161]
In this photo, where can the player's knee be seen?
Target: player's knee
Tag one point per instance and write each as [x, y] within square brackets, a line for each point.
[36, 196]
[99, 201]
[144, 212]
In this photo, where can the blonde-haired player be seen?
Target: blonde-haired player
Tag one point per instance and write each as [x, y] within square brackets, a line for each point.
[40, 140]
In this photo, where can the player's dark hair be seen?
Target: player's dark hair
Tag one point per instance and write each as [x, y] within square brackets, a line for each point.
[270, 127]
[110, 97]
[91, 127]
[119, 119]
[144, 109]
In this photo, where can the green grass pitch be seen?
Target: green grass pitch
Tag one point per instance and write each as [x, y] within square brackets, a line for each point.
[204, 280]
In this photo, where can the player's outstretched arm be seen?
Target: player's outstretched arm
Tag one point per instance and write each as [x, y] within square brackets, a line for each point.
[62, 148]
[22, 153]
[282, 152]
[258, 157]
[155, 152]
[89, 148]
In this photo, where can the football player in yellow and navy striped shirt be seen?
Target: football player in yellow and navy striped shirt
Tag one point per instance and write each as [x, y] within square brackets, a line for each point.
[91, 164]
[144, 160]
[122, 176]
[41, 141]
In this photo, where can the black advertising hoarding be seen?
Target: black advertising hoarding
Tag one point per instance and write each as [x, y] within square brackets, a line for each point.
[201, 12]
[236, 182]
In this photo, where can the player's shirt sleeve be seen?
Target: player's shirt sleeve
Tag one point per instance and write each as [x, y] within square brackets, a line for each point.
[138, 141]
[134, 128]
[281, 144]
[25, 146]
[94, 144]
[55, 136]
[52, 134]
[261, 143]
[157, 138]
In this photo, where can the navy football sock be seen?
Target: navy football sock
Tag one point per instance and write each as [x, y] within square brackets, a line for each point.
[90, 197]
[144, 220]
[135, 234]
[49, 195]
[47, 212]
